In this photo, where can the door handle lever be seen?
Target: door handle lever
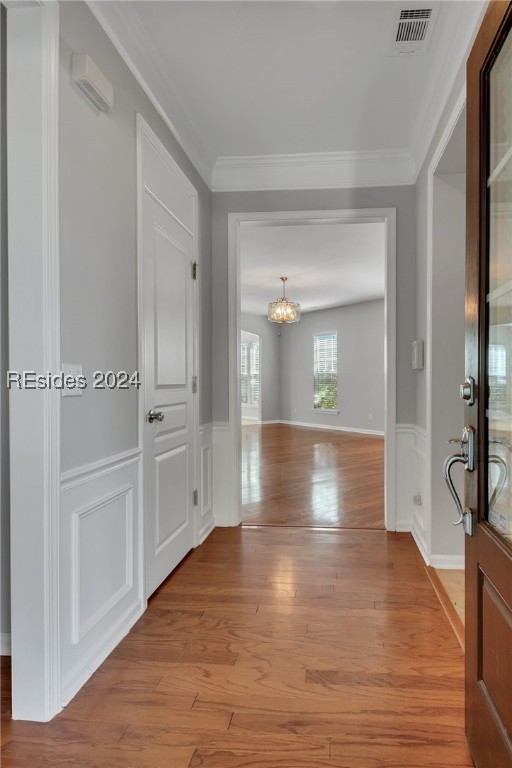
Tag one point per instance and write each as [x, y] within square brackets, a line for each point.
[447, 467]
[466, 457]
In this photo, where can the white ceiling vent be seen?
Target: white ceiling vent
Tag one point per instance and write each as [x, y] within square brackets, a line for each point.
[412, 29]
[91, 80]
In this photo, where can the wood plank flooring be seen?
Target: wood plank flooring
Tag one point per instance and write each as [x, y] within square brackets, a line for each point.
[311, 477]
[272, 648]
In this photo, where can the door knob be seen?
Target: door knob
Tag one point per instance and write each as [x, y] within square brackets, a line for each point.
[155, 416]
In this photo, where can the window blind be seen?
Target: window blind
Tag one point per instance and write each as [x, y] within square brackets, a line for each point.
[497, 371]
[325, 371]
[250, 372]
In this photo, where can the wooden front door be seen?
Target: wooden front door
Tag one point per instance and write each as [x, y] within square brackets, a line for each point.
[489, 362]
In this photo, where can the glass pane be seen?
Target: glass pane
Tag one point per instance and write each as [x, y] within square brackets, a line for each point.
[325, 371]
[499, 339]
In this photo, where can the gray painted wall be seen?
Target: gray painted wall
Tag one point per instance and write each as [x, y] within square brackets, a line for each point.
[98, 244]
[270, 367]
[360, 330]
[401, 198]
[421, 244]
[448, 289]
[5, 605]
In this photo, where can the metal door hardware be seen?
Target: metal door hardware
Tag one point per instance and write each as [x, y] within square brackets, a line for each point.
[467, 458]
[155, 416]
[467, 390]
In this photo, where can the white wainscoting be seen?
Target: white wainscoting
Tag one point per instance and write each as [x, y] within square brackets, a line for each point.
[101, 572]
[411, 444]
[422, 521]
[225, 483]
[405, 476]
[206, 522]
[421, 513]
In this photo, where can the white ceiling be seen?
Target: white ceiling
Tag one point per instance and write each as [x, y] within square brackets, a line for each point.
[260, 80]
[327, 265]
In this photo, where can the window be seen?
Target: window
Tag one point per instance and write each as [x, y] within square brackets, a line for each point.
[325, 371]
[250, 372]
[497, 374]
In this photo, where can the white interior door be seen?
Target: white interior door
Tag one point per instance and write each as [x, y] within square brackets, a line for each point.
[168, 322]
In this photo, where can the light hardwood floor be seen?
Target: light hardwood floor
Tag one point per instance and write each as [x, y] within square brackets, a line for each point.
[272, 648]
[311, 477]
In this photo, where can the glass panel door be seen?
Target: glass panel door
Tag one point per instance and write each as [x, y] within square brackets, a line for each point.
[499, 295]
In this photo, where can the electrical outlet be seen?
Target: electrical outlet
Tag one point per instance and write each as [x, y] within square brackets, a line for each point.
[418, 501]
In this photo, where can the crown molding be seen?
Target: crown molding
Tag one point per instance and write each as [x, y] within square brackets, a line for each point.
[126, 32]
[469, 16]
[319, 170]
[322, 170]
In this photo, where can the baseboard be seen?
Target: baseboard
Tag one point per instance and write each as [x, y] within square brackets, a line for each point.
[98, 653]
[448, 607]
[420, 543]
[311, 425]
[403, 526]
[5, 644]
[444, 562]
[448, 562]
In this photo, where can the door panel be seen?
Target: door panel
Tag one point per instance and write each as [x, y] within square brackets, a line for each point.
[489, 361]
[496, 673]
[169, 443]
[171, 468]
[171, 277]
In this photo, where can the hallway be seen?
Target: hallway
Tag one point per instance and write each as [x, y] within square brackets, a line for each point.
[272, 648]
[294, 476]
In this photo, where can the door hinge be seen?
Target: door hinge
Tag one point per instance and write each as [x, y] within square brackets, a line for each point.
[194, 270]
[194, 385]
[196, 498]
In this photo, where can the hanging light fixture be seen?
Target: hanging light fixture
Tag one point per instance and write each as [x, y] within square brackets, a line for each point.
[283, 310]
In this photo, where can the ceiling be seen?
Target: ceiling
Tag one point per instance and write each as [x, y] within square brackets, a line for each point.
[310, 84]
[327, 265]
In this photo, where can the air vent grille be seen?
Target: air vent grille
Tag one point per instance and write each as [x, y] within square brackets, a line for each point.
[91, 80]
[419, 13]
[95, 95]
[412, 29]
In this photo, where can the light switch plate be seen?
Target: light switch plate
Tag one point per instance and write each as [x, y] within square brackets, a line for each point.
[75, 370]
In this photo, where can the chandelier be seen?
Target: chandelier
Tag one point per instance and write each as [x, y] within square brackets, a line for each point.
[283, 310]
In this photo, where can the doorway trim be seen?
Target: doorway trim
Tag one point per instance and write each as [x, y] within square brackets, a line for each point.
[386, 216]
[34, 344]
